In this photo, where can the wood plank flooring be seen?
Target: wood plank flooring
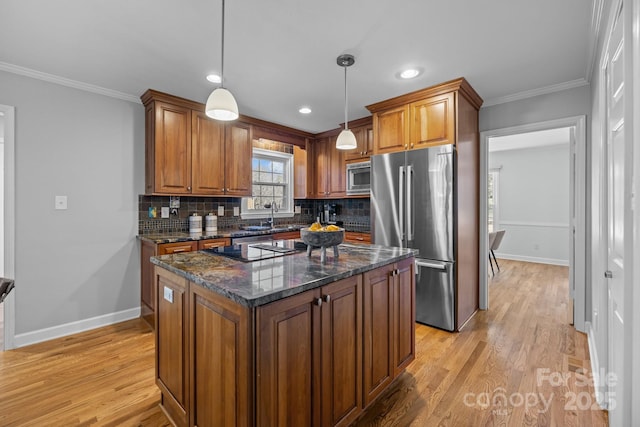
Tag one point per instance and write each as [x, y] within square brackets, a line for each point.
[522, 349]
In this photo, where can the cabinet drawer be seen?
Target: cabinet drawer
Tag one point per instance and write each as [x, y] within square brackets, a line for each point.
[357, 237]
[213, 243]
[174, 248]
[286, 235]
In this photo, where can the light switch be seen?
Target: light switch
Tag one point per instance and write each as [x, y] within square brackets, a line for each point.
[61, 202]
[220, 210]
[236, 211]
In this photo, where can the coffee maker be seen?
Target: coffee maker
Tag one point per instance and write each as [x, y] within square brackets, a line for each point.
[332, 211]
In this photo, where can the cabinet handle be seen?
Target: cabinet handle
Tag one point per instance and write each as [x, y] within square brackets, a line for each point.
[360, 238]
[318, 302]
[327, 299]
[405, 145]
[189, 188]
[412, 145]
[179, 250]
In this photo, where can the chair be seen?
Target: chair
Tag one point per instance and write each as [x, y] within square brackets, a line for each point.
[5, 287]
[495, 238]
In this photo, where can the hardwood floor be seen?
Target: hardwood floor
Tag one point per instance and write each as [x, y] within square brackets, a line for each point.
[518, 364]
[520, 349]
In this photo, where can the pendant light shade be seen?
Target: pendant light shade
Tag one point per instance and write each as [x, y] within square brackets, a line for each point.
[221, 105]
[346, 140]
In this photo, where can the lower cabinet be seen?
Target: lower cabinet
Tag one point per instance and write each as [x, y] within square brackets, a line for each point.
[318, 358]
[310, 351]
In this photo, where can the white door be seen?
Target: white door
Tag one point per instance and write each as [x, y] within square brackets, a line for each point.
[614, 99]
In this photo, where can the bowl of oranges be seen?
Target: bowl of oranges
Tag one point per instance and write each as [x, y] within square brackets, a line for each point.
[318, 235]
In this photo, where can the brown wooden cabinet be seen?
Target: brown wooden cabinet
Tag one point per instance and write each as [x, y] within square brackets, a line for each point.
[389, 325]
[357, 237]
[317, 358]
[188, 153]
[422, 118]
[329, 169]
[363, 131]
[220, 339]
[147, 281]
[302, 178]
[172, 349]
[286, 235]
[322, 331]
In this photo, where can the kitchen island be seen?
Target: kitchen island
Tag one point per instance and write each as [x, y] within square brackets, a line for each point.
[282, 341]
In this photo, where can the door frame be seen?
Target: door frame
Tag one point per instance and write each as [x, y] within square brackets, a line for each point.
[9, 222]
[578, 194]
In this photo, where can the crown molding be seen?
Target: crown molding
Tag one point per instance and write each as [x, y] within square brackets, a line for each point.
[535, 92]
[51, 78]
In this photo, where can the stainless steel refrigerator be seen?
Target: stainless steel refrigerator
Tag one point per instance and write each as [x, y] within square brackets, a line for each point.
[412, 206]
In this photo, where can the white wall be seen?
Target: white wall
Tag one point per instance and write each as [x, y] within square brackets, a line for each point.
[74, 265]
[533, 202]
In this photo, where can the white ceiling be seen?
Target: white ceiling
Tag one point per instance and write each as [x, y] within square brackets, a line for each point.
[281, 54]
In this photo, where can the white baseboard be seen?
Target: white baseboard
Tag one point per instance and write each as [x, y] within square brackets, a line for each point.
[551, 261]
[595, 367]
[46, 334]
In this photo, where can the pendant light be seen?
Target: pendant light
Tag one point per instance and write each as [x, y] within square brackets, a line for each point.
[221, 105]
[346, 140]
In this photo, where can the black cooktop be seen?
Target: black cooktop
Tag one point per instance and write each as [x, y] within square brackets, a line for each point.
[256, 251]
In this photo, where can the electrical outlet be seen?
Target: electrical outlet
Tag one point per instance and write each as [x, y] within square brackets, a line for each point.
[168, 294]
[164, 212]
[298, 209]
[220, 210]
[236, 211]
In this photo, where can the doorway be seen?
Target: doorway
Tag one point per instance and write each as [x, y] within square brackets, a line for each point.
[577, 195]
[7, 220]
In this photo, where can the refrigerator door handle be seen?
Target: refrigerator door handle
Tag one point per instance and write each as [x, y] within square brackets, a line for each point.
[438, 266]
[401, 201]
[410, 202]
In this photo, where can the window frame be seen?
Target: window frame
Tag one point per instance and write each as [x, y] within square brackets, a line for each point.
[261, 153]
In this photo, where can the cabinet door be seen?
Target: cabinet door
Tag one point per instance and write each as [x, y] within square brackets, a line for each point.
[357, 237]
[221, 360]
[172, 145]
[391, 130]
[288, 361]
[300, 173]
[147, 284]
[404, 315]
[177, 247]
[237, 167]
[364, 138]
[377, 359]
[322, 161]
[432, 121]
[341, 373]
[337, 170]
[207, 147]
[286, 235]
[171, 344]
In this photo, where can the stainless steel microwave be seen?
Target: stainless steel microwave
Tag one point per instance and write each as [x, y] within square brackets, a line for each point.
[358, 178]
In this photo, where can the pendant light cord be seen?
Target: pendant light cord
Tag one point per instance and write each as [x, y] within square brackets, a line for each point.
[346, 123]
[222, 50]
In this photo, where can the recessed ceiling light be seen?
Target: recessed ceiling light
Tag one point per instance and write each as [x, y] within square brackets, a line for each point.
[214, 78]
[305, 110]
[409, 74]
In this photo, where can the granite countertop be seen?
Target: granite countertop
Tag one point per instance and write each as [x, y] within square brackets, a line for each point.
[172, 237]
[260, 282]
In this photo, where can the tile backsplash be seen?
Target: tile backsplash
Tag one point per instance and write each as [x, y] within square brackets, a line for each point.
[353, 212]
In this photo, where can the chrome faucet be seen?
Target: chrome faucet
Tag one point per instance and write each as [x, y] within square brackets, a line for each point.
[274, 207]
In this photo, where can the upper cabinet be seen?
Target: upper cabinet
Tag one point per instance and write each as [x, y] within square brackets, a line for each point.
[363, 131]
[187, 152]
[329, 168]
[423, 118]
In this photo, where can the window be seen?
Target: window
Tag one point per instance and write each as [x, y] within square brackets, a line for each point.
[272, 181]
[492, 198]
